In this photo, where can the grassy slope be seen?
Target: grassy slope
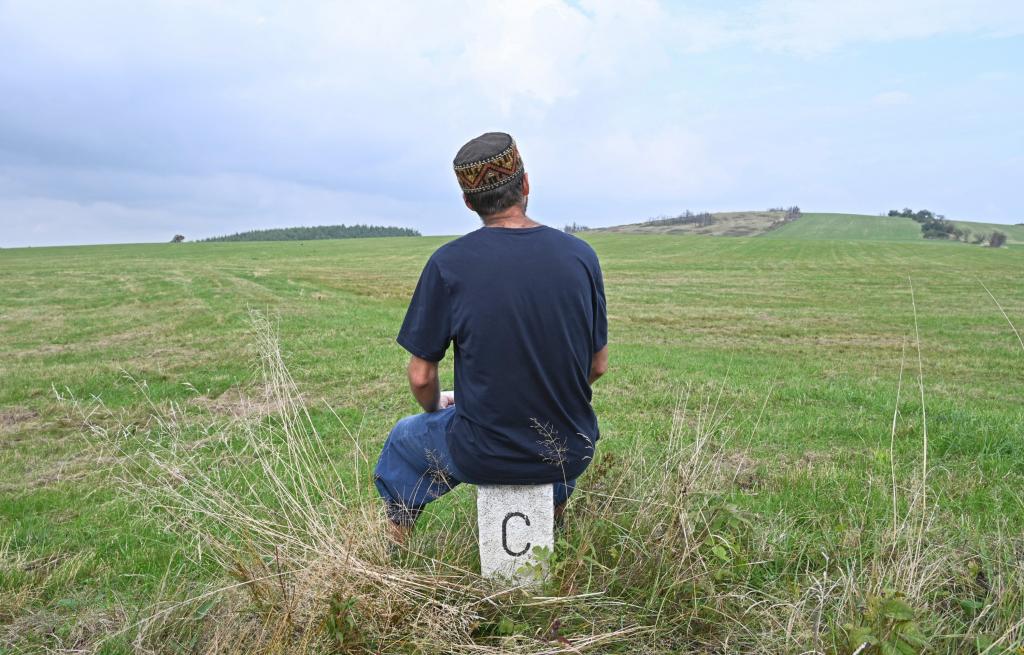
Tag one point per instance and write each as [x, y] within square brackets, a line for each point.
[862, 227]
[1014, 233]
[731, 224]
[848, 226]
[856, 227]
[815, 326]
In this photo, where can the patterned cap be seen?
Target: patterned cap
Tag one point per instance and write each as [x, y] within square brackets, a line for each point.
[487, 162]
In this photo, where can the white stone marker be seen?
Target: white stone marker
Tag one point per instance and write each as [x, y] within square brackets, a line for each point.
[513, 520]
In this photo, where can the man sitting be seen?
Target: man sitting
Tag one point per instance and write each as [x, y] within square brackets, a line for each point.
[524, 305]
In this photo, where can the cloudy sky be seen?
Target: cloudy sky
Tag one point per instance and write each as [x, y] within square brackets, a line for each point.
[133, 121]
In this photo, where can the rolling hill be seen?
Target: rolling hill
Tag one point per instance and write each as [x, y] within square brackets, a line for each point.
[809, 226]
[721, 224]
[853, 227]
[319, 232]
[1014, 233]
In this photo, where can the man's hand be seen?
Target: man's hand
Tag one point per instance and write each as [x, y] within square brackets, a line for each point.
[446, 400]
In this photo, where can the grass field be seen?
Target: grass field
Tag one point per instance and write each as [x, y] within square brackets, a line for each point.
[854, 227]
[1014, 233]
[810, 334]
[818, 226]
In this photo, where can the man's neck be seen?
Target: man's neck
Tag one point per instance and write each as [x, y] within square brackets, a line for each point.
[513, 217]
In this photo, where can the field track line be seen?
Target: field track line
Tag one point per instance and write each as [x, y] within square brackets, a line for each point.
[1003, 312]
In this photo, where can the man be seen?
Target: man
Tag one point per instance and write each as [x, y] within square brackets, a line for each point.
[524, 306]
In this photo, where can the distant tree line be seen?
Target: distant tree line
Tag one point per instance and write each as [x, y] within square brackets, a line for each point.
[574, 227]
[319, 232]
[792, 213]
[935, 226]
[703, 219]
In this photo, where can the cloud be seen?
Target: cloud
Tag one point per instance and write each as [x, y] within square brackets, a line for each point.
[996, 76]
[159, 115]
[892, 98]
[196, 206]
[809, 27]
[664, 163]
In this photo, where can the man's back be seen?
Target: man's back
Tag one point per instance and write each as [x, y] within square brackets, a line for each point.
[525, 309]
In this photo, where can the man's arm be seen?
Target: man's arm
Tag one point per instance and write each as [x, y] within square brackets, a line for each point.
[424, 384]
[426, 387]
[598, 365]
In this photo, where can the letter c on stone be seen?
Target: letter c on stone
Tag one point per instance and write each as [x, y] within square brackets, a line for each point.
[504, 534]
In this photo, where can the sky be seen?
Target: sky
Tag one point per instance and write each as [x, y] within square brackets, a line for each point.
[136, 121]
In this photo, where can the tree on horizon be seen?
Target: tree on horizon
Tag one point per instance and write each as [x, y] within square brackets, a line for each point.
[319, 232]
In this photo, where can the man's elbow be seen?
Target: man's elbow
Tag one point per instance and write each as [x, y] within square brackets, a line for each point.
[421, 374]
[599, 364]
[420, 379]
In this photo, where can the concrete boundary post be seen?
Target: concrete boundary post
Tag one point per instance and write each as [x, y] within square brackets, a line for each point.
[513, 521]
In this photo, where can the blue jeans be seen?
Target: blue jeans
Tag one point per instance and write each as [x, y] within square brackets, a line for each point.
[415, 466]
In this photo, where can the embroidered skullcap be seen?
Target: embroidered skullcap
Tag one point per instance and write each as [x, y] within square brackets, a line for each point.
[487, 162]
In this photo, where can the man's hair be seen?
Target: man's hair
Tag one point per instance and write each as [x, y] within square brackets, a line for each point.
[488, 203]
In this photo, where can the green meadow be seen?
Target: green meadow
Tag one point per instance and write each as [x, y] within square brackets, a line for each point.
[840, 359]
[851, 227]
[860, 227]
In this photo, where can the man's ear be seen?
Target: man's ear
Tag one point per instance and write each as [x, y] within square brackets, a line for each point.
[526, 183]
[465, 199]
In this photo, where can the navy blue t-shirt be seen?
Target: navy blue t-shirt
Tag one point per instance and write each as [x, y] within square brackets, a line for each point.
[525, 309]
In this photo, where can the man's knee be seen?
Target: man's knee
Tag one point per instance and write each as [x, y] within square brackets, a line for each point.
[399, 433]
[404, 424]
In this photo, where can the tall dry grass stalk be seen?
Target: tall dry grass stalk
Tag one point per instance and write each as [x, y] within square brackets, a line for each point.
[658, 554]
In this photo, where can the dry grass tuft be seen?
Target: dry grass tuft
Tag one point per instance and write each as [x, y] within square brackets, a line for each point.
[14, 418]
[257, 402]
